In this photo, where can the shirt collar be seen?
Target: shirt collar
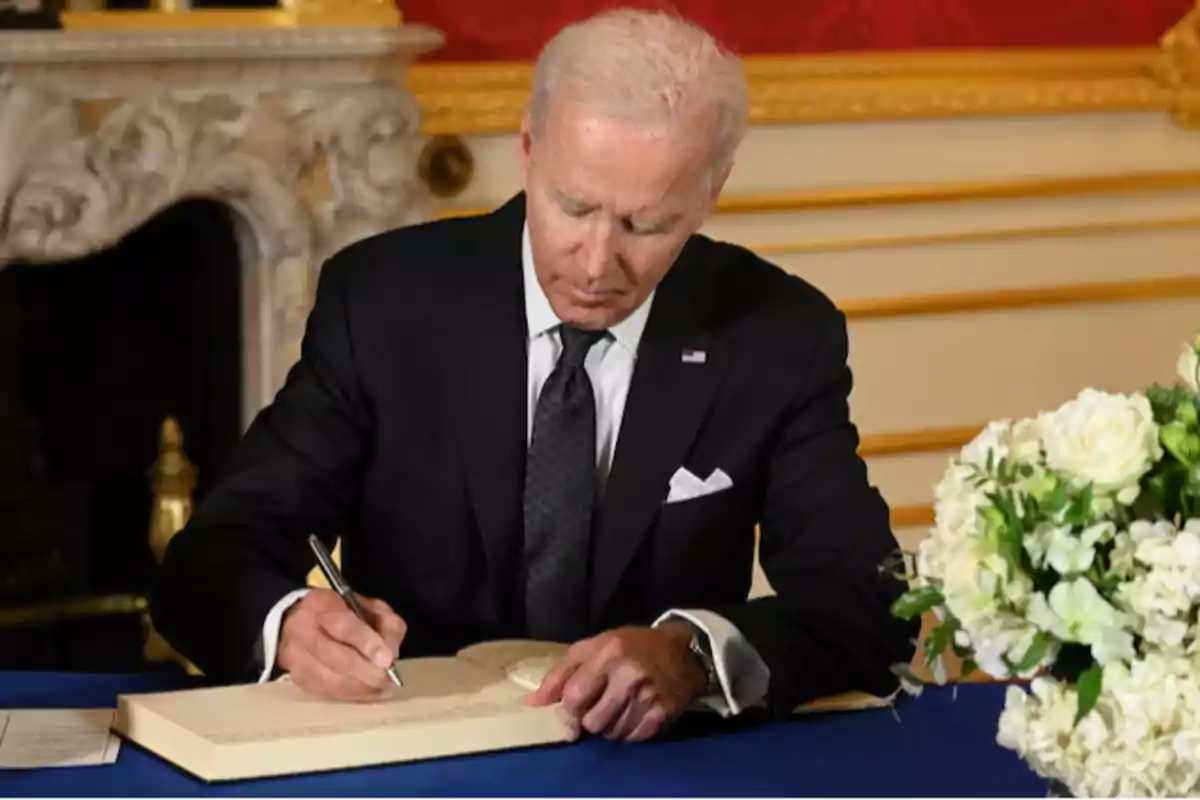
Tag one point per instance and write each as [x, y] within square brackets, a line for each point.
[540, 317]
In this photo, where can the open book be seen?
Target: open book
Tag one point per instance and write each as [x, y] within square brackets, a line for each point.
[471, 703]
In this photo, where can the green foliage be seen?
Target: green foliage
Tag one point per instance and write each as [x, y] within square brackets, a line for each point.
[1035, 653]
[939, 639]
[1088, 690]
[916, 602]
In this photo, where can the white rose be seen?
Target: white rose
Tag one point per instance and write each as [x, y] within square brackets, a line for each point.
[1020, 440]
[992, 439]
[1026, 441]
[1188, 367]
[1109, 440]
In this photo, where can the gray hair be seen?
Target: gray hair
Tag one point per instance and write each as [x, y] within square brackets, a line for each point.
[647, 67]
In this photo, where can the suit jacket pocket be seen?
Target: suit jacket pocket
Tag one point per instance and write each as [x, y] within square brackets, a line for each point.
[702, 547]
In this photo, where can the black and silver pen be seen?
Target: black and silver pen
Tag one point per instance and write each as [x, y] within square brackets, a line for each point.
[339, 585]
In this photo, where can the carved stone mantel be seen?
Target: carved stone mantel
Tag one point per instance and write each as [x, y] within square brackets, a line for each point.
[308, 133]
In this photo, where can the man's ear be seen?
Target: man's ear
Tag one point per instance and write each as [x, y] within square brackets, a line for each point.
[525, 143]
[719, 177]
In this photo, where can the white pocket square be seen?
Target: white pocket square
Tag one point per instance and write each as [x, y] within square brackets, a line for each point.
[686, 486]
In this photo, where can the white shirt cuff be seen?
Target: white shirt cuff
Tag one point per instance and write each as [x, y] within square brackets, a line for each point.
[270, 631]
[740, 670]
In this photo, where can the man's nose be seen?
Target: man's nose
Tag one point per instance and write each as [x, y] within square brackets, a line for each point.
[600, 252]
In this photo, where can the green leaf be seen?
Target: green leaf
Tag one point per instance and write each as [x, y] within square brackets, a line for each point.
[1080, 511]
[1163, 486]
[1010, 532]
[938, 640]
[1185, 411]
[1035, 652]
[1088, 689]
[1177, 442]
[969, 667]
[1164, 402]
[1057, 499]
[916, 602]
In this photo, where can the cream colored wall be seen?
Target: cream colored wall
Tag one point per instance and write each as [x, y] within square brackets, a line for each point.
[915, 372]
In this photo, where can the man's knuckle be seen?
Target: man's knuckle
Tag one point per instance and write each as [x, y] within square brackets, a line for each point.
[573, 695]
[336, 657]
[614, 648]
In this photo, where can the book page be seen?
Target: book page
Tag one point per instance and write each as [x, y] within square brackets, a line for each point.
[31, 738]
[435, 690]
[525, 662]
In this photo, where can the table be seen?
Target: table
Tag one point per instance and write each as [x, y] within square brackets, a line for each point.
[936, 745]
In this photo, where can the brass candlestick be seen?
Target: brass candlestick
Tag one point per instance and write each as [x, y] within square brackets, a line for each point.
[173, 480]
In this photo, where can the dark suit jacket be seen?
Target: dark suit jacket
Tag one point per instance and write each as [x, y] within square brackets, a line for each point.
[402, 429]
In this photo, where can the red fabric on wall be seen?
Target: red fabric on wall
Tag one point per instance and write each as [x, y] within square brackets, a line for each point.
[496, 30]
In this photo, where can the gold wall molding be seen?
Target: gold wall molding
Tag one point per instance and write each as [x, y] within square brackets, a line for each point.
[164, 15]
[1179, 69]
[489, 98]
[1117, 227]
[827, 199]
[952, 192]
[924, 440]
[911, 516]
[1071, 294]
[56, 610]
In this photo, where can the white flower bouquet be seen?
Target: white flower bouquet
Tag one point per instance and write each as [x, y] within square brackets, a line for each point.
[1065, 557]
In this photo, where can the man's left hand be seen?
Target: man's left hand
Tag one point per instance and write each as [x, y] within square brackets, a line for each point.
[625, 684]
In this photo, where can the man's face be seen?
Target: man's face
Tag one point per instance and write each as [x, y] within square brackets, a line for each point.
[609, 206]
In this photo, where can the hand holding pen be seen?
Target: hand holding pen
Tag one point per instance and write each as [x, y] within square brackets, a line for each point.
[338, 644]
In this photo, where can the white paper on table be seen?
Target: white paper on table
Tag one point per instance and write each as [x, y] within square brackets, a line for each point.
[57, 737]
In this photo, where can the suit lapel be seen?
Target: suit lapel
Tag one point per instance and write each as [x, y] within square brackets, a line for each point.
[668, 399]
[487, 379]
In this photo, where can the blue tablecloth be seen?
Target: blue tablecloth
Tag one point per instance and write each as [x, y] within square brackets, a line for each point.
[937, 745]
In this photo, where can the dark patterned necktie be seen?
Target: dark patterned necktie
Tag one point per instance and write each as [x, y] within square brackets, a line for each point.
[560, 491]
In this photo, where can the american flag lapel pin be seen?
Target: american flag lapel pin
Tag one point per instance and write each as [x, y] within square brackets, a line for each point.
[691, 356]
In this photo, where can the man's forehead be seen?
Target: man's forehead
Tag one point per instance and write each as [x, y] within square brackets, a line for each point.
[574, 125]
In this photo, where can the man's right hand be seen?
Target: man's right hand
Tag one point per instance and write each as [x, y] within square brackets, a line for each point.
[330, 652]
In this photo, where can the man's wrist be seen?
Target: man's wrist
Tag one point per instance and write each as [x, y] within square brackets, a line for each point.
[690, 641]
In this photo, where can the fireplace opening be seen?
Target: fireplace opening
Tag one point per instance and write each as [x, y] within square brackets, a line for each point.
[95, 354]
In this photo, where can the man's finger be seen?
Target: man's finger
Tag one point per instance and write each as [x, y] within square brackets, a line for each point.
[346, 661]
[622, 682]
[584, 688]
[347, 628]
[387, 623]
[315, 677]
[652, 722]
[623, 725]
[551, 688]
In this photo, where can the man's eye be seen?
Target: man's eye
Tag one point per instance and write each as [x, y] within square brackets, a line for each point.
[574, 209]
[629, 226]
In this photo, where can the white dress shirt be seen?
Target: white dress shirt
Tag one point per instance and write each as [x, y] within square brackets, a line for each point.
[742, 674]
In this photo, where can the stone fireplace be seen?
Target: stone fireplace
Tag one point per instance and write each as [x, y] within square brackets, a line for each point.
[305, 135]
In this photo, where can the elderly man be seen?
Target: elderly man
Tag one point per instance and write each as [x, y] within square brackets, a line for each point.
[563, 421]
